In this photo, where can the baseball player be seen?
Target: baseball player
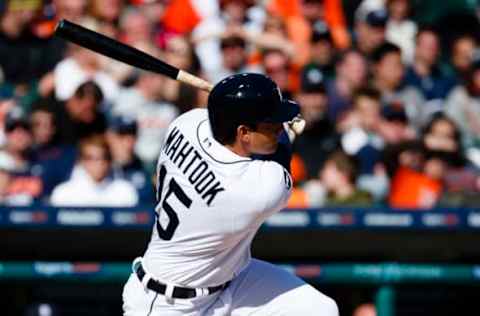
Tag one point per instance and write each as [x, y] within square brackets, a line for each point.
[212, 198]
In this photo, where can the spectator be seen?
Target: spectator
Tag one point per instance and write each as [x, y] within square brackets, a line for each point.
[462, 56]
[274, 36]
[8, 196]
[424, 73]
[370, 26]
[395, 128]
[81, 66]
[322, 50]
[367, 309]
[79, 116]
[414, 183]
[91, 183]
[277, 66]
[362, 138]
[300, 17]
[338, 176]
[135, 27]
[319, 137]
[222, 20]
[233, 56]
[442, 135]
[351, 74]
[106, 11]
[24, 180]
[54, 159]
[25, 59]
[143, 102]
[72, 10]
[179, 52]
[463, 107]
[401, 29]
[442, 141]
[388, 73]
[121, 138]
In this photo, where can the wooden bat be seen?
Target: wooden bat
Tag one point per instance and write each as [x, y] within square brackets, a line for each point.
[114, 49]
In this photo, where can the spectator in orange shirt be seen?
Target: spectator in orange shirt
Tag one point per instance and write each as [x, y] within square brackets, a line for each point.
[460, 181]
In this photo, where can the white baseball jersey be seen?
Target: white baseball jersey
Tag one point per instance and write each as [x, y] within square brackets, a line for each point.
[211, 203]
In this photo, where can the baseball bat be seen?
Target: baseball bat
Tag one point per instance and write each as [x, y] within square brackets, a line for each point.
[119, 51]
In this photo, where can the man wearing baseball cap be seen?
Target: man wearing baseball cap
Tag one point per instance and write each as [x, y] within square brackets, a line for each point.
[370, 28]
[121, 137]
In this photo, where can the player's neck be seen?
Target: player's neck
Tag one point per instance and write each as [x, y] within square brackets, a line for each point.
[238, 149]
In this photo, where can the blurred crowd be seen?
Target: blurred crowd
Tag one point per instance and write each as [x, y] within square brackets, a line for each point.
[390, 90]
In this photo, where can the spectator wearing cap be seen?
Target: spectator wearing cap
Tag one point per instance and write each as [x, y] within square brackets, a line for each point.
[387, 77]
[91, 182]
[143, 102]
[18, 137]
[396, 128]
[319, 137]
[121, 137]
[370, 29]
[322, 50]
[351, 75]
[401, 29]
[25, 180]
[9, 195]
[463, 107]
[81, 115]
[425, 73]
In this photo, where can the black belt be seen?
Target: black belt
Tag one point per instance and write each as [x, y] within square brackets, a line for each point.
[178, 292]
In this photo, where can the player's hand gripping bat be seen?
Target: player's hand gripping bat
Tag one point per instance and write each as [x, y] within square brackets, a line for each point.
[114, 49]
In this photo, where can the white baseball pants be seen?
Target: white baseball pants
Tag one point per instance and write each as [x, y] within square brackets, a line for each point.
[260, 289]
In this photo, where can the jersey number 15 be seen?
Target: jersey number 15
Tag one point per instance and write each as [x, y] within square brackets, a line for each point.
[173, 188]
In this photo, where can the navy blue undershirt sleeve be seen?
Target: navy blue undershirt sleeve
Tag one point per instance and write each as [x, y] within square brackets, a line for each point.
[283, 155]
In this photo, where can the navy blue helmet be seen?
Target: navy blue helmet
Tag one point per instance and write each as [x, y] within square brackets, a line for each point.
[247, 99]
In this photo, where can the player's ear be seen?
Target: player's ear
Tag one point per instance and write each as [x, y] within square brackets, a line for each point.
[243, 132]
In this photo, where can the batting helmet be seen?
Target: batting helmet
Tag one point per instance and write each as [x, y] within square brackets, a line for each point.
[246, 99]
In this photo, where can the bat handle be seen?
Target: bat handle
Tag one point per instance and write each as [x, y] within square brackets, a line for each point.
[195, 81]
